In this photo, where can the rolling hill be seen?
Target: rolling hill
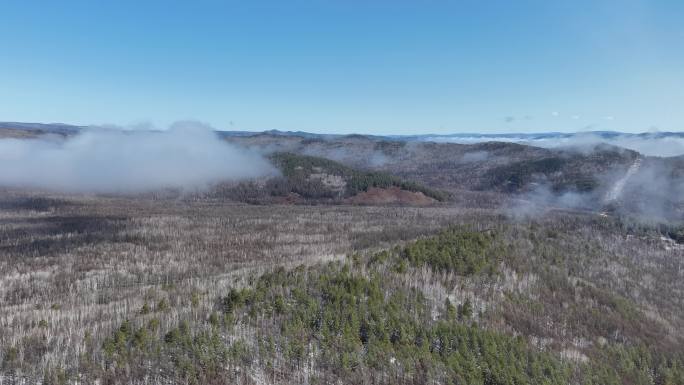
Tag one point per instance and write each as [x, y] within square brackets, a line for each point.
[365, 260]
[577, 176]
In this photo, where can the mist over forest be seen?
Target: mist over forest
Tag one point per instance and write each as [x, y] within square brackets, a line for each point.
[189, 255]
[342, 192]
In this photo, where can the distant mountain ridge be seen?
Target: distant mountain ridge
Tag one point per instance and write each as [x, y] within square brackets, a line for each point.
[56, 128]
[469, 137]
[539, 136]
[573, 170]
[473, 137]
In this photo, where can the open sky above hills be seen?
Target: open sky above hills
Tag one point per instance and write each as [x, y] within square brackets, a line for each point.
[338, 66]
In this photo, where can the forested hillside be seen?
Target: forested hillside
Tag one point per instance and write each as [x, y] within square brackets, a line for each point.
[558, 300]
[359, 260]
[573, 176]
[307, 179]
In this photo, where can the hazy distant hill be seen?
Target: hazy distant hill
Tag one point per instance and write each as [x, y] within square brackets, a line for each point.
[17, 129]
[310, 179]
[521, 274]
[590, 176]
[573, 173]
[500, 166]
[464, 138]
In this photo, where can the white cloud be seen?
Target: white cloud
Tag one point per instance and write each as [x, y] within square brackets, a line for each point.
[188, 155]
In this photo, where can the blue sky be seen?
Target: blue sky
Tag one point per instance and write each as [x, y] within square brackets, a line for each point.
[347, 66]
